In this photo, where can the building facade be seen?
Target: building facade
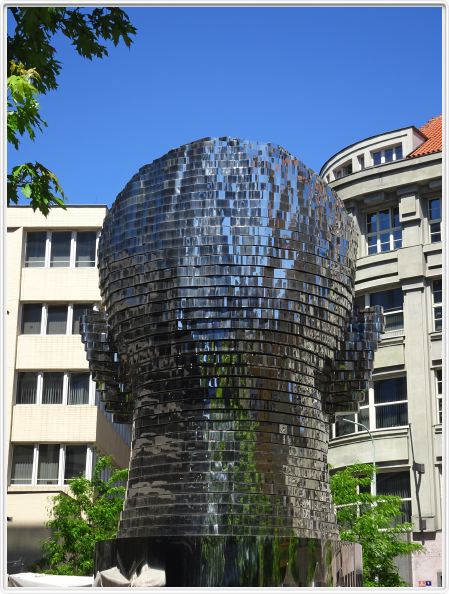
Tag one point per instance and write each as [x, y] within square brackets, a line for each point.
[55, 425]
[391, 183]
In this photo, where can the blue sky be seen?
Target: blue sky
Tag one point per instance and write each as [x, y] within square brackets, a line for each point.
[311, 79]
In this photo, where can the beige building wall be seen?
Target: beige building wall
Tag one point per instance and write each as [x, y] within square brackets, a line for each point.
[415, 350]
[33, 424]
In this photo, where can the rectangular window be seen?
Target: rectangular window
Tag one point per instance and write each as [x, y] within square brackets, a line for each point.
[390, 402]
[60, 248]
[361, 160]
[435, 219]
[31, 318]
[85, 248]
[393, 303]
[437, 305]
[78, 310]
[48, 466]
[343, 427]
[22, 465]
[345, 169]
[398, 484]
[387, 155]
[35, 249]
[75, 462]
[26, 388]
[384, 230]
[57, 319]
[439, 392]
[52, 388]
[79, 388]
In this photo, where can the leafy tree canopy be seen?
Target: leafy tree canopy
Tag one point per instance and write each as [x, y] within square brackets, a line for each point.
[374, 522]
[33, 69]
[89, 512]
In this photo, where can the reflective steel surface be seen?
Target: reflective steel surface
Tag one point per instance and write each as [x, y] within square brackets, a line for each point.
[228, 337]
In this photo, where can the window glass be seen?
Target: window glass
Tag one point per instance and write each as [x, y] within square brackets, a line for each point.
[391, 415]
[393, 299]
[396, 221]
[439, 380]
[390, 390]
[26, 388]
[78, 311]
[377, 157]
[48, 467]
[388, 155]
[60, 248]
[372, 245]
[22, 465]
[437, 291]
[384, 219]
[31, 318]
[342, 427]
[35, 249]
[398, 152]
[52, 388]
[398, 484]
[364, 417]
[75, 462]
[79, 388]
[85, 248]
[57, 319]
[372, 222]
[434, 209]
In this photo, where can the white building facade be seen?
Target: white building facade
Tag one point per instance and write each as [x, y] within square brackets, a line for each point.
[55, 425]
[391, 184]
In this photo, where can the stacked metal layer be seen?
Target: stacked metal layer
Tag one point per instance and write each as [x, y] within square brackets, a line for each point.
[227, 270]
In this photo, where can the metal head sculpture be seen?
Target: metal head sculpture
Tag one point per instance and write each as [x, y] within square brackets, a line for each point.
[228, 338]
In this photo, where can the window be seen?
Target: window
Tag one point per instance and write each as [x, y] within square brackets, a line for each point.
[22, 465]
[78, 388]
[35, 249]
[27, 387]
[75, 462]
[85, 248]
[435, 219]
[61, 249]
[41, 318]
[31, 318]
[342, 427]
[390, 402]
[393, 303]
[384, 231]
[361, 161]
[345, 169]
[78, 310]
[437, 305]
[56, 319]
[439, 393]
[52, 388]
[397, 483]
[37, 387]
[387, 155]
[384, 406]
[49, 464]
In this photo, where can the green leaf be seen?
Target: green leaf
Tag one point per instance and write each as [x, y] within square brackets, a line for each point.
[26, 190]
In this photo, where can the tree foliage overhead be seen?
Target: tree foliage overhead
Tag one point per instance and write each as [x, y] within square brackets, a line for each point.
[89, 512]
[372, 521]
[33, 69]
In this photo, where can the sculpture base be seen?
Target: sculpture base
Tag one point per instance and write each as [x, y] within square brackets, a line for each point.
[216, 561]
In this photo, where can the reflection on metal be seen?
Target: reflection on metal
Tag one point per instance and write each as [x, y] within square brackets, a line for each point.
[228, 337]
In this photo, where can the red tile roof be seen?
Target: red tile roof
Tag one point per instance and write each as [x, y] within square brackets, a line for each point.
[433, 131]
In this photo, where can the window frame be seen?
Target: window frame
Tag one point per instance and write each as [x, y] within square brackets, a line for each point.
[48, 246]
[392, 470]
[377, 234]
[65, 387]
[382, 152]
[44, 317]
[61, 465]
[371, 408]
[436, 221]
[387, 312]
[437, 322]
[438, 383]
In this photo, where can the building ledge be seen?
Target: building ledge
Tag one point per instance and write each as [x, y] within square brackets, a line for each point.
[364, 436]
[432, 247]
[435, 336]
[38, 488]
